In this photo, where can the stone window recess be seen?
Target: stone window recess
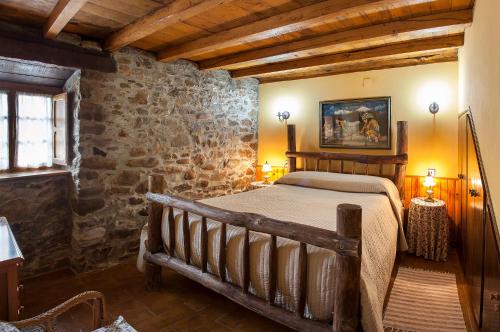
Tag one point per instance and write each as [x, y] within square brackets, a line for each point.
[33, 131]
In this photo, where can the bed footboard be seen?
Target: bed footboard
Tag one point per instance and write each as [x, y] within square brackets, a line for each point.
[346, 243]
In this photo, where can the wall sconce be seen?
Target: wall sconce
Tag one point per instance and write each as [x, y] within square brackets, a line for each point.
[283, 116]
[434, 108]
[430, 182]
[266, 168]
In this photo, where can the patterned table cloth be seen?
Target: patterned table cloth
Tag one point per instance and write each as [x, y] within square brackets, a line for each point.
[428, 229]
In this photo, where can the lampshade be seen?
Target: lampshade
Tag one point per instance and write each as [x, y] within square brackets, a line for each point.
[266, 167]
[429, 181]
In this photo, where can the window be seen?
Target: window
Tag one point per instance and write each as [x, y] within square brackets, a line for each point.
[4, 132]
[33, 129]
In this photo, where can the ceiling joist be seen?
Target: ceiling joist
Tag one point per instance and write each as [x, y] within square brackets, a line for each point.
[405, 60]
[299, 19]
[62, 13]
[160, 19]
[427, 24]
[27, 44]
[424, 44]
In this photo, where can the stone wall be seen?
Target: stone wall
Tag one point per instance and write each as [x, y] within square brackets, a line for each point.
[198, 129]
[39, 214]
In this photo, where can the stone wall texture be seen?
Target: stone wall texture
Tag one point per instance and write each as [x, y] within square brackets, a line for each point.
[39, 213]
[198, 129]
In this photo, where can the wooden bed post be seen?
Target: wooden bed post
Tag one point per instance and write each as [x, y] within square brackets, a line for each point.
[401, 149]
[347, 272]
[154, 242]
[292, 147]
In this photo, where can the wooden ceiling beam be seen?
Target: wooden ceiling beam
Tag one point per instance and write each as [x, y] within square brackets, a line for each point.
[416, 45]
[407, 60]
[300, 48]
[62, 13]
[175, 12]
[299, 19]
[27, 44]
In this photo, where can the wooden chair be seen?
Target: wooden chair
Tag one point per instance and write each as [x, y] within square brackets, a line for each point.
[47, 319]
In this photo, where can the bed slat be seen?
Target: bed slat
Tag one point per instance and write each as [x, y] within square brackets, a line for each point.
[204, 244]
[317, 164]
[302, 279]
[273, 268]
[222, 252]
[246, 261]
[186, 237]
[292, 146]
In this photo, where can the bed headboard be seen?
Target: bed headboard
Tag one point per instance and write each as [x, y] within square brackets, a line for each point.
[389, 166]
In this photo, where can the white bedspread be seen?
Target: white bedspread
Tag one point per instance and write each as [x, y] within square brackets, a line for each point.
[315, 207]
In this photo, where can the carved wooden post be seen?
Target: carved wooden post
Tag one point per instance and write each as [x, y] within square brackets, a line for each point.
[401, 148]
[292, 147]
[347, 272]
[154, 243]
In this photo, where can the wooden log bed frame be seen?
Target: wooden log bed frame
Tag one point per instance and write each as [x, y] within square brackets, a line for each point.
[346, 241]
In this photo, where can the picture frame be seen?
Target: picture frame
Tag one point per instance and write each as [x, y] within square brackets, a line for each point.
[355, 123]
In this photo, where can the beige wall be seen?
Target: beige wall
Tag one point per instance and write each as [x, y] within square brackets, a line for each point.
[432, 141]
[479, 74]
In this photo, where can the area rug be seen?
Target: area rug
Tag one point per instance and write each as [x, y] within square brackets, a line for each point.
[423, 301]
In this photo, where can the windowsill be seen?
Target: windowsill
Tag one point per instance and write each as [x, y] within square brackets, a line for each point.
[32, 174]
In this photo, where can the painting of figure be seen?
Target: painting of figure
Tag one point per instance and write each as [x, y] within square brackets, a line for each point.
[356, 123]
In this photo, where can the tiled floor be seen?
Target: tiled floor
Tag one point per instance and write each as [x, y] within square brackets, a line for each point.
[182, 305]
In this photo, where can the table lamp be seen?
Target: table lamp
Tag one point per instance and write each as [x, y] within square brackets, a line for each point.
[266, 168]
[429, 182]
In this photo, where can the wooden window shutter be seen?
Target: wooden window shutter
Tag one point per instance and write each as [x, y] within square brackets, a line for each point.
[60, 129]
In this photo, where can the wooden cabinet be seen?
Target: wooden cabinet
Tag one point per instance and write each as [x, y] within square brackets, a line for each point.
[11, 260]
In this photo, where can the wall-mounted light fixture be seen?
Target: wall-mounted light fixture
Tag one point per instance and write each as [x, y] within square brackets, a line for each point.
[434, 96]
[434, 108]
[283, 116]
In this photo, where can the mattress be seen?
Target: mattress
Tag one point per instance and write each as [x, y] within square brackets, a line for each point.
[306, 198]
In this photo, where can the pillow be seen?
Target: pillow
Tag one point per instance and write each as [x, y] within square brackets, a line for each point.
[6, 327]
[341, 182]
[119, 325]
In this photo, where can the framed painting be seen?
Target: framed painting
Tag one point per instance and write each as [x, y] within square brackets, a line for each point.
[355, 123]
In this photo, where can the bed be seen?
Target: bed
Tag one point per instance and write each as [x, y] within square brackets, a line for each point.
[314, 252]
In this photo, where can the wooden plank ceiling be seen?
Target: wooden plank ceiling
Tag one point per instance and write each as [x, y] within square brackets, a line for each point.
[272, 40]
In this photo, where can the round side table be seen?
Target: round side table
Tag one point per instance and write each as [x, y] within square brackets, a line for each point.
[428, 229]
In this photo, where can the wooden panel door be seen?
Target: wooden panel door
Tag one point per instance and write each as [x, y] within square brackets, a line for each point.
[491, 298]
[462, 176]
[473, 246]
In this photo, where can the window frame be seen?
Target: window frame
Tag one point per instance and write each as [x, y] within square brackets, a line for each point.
[12, 89]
